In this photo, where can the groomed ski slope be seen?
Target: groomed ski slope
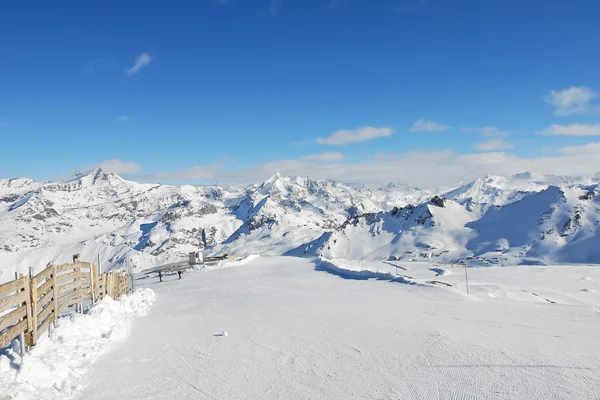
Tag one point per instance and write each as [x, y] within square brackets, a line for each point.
[307, 329]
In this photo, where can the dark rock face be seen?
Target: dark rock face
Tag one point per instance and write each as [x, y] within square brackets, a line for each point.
[10, 198]
[589, 195]
[573, 224]
[438, 201]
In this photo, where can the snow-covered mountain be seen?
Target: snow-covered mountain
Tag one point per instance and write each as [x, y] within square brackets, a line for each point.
[499, 219]
[557, 224]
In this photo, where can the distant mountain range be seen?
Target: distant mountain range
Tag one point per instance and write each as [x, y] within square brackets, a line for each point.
[522, 218]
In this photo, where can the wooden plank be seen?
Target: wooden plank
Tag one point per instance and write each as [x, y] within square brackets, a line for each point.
[60, 279]
[45, 299]
[45, 288]
[67, 287]
[12, 301]
[43, 315]
[64, 267]
[42, 276]
[69, 299]
[12, 333]
[11, 287]
[12, 317]
[43, 328]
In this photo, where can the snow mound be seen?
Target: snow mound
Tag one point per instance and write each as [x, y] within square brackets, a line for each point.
[51, 368]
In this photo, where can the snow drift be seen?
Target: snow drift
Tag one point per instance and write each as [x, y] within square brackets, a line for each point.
[50, 370]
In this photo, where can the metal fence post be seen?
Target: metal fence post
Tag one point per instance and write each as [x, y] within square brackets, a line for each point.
[466, 278]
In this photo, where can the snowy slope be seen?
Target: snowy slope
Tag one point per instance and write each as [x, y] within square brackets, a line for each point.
[297, 331]
[544, 226]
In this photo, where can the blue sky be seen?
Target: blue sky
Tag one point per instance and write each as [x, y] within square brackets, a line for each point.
[215, 90]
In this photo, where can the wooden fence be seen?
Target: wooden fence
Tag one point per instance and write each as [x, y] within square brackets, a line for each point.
[30, 304]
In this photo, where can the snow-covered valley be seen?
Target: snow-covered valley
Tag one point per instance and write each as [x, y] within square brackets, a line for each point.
[523, 218]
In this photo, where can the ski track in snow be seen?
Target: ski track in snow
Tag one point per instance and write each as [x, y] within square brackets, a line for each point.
[296, 331]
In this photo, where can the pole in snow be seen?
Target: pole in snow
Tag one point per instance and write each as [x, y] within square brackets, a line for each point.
[466, 278]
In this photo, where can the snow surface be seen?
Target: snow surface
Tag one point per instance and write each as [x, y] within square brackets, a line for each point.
[338, 329]
[54, 367]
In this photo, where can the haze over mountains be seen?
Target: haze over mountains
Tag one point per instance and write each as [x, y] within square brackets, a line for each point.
[522, 218]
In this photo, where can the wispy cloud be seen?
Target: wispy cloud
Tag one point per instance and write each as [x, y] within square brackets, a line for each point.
[122, 118]
[425, 125]
[488, 131]
[189, 174]
[327, 157]
[141, 61]
[573, 100]
[493, 145]
[116, 166]
[356, 135]
[443, 167]
[572, 130]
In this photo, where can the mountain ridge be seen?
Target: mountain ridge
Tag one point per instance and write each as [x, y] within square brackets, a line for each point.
[140, 223]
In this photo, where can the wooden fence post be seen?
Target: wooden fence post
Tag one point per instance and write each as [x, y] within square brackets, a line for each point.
[93, 283]
[32, 316]
[80, 289]
[54, 295]
[109, 284]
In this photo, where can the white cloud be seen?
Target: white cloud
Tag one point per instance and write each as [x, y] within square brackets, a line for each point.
[120, 167]
[574, 100]
[422, 168]
[572, 130]
[425, 125]
[492, 145]
[122, 118]
[141, 61]
[329, 156]
[583, 150]
[487, 131]
[195, 173]
[356, 135]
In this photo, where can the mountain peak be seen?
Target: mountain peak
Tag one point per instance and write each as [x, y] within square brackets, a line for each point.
[97, 176]
[276, 176]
